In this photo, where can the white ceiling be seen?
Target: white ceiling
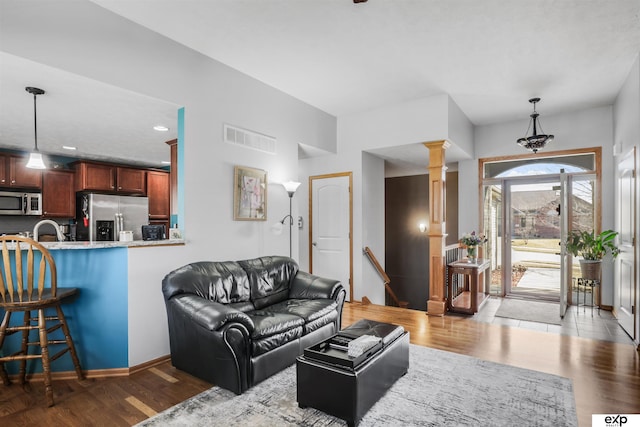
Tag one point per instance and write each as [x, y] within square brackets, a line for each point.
[490, 56]
[103, 122]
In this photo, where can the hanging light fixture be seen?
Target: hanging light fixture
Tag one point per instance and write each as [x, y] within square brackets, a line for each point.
[536, 141]
[35, 158]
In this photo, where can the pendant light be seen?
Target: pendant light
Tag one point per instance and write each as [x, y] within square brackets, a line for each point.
[35, 158]
[536, 141]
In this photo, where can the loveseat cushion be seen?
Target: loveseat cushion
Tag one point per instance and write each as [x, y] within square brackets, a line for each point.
[272, 329]
[270, 278]
[316, 313]
[223, 282]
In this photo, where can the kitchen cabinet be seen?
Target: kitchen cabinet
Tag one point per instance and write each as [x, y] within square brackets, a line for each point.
[158, 192]
[58, 195]
[3, 171]
[15, 174]
[104, 177]
[131, 181]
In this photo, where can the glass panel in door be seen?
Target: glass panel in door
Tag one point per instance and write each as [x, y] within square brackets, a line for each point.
[534, 239]
[582, 202]
[492, 216]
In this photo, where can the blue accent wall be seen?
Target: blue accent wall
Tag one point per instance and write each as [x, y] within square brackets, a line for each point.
[97, 316]
[180, 219]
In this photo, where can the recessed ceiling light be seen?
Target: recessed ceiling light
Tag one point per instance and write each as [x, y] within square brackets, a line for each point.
[161, 128]
[67, 147]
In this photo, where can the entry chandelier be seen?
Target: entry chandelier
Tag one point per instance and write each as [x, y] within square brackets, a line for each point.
[536, 141]
[35, 158]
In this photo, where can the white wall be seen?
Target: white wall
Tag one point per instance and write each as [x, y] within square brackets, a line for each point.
[460, 129]
[372, 233]
[626, 130]
[411, 122]
[579, 129]
[82, 38]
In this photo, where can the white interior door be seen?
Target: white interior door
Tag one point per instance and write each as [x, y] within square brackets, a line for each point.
[625, 268]
[330, 252]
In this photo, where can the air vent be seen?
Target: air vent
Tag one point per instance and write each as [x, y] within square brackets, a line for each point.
[249, 139]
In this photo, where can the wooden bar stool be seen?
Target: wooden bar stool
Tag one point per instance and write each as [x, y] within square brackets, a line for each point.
[23, 289]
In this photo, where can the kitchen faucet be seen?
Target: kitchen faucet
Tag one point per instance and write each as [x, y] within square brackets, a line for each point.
[53, 223]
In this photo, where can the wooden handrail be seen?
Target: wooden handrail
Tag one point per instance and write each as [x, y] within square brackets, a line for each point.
[385, 278]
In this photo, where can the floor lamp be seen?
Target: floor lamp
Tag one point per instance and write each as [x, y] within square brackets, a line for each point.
[291, 188]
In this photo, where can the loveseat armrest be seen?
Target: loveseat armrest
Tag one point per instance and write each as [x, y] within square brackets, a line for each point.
[309, 286]
[210, 314]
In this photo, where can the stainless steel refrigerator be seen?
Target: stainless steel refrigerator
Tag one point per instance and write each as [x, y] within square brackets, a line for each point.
[101, 217]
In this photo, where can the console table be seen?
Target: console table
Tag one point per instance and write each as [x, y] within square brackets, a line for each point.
[470, 300]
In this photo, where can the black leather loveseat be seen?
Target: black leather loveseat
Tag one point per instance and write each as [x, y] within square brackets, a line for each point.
[235, 323]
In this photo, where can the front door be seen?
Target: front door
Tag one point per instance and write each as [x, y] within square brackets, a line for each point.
[625, 271]
[533, 246]
[330, 253]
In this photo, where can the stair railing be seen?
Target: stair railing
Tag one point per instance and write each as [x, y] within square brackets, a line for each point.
[385, 278]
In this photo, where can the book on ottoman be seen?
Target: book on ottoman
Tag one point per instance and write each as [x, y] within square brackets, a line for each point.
[335, 350]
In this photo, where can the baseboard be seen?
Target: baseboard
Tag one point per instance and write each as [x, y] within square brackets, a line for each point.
[97, 373]
[149, 364]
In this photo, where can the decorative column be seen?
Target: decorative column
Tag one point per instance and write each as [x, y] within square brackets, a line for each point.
[436, 306]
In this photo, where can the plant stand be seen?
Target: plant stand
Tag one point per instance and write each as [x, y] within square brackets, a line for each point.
[593, 284]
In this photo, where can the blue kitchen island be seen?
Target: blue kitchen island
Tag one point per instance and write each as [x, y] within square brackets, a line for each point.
[99, 316]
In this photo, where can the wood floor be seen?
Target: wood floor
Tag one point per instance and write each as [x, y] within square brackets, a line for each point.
[606, 375]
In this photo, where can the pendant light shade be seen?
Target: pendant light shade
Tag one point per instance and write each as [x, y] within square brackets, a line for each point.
[35, 158]
[536, 141]
[35, 161]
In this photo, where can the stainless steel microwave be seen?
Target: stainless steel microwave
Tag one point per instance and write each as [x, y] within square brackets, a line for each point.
[20, 203]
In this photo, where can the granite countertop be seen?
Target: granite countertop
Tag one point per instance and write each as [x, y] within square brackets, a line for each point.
[102, 245]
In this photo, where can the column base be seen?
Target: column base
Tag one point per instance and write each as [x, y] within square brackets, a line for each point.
[436, 308]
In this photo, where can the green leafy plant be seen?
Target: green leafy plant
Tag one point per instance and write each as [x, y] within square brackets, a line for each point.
[591, 246]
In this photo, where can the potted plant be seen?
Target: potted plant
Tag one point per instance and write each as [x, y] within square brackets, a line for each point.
[592, 248]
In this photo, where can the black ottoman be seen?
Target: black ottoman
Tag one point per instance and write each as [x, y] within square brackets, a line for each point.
[345, 387]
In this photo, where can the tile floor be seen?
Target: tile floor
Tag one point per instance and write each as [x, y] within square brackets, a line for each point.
[578, 321]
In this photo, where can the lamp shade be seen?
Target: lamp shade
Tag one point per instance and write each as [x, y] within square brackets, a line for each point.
[35, 161]
[276, 228]
[291, 186]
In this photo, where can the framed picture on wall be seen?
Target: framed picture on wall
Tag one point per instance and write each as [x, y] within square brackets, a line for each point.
[249, 194]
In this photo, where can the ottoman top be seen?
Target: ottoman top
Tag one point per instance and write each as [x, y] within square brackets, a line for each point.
[386, 331]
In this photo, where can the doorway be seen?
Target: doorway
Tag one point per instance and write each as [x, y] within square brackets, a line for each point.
[532, 247]
[331, 228]
[529, 204]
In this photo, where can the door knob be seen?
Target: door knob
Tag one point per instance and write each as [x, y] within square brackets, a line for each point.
[314, 244]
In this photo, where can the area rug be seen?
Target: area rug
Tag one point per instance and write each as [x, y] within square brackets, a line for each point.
[533, 311]
[440, 389]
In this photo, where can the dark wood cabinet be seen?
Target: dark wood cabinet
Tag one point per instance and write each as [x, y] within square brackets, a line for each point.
[173, 176]
[58, 195]
[131, 181]
[14, 173]
[109, 178]
[4, 171]
[95, 177]
[158, 191]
